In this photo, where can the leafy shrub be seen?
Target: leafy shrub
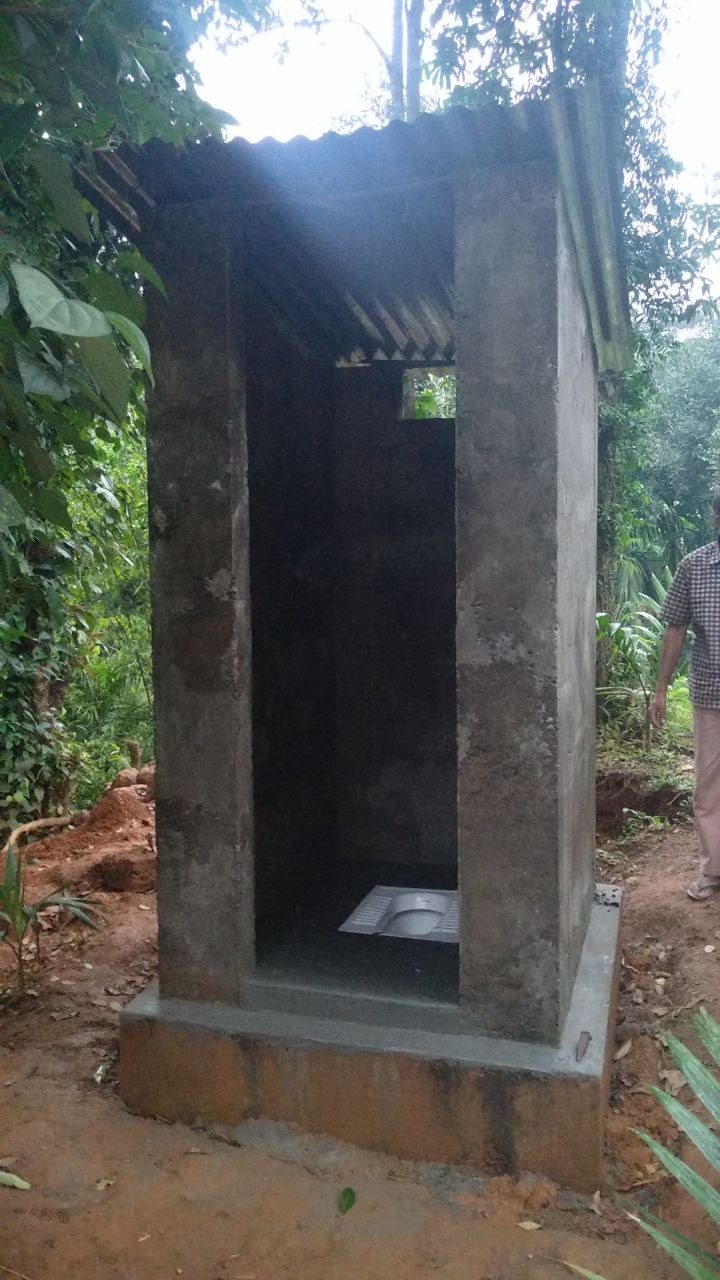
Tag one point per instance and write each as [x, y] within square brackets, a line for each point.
[17, 917]
[634, 640]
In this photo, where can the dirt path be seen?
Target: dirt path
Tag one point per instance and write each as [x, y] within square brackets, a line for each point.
[120, 1198]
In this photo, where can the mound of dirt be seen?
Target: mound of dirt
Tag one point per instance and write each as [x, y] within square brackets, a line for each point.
[121, 816]
[113, 850]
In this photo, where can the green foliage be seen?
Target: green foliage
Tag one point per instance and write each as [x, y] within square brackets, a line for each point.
[693, 1260]
[17, 916]
[109, 692]
[74, 78]
[690, 1257]
[665, 442]
[634, 640]
[435, 395]
[502, 50]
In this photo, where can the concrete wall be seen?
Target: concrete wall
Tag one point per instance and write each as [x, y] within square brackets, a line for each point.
[525, 430]
[395, 620]
[576, 604]
[201, 618]
[292, 572]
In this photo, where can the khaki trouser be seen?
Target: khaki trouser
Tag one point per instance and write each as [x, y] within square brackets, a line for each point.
[706, 801]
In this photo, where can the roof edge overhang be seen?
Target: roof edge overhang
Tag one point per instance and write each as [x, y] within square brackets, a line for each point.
[589, 174]
[574, 127]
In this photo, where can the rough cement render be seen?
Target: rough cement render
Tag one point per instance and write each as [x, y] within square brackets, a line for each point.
[515, 296]
[200, 592]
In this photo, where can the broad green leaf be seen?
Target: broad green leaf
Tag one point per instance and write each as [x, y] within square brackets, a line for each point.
[10, 511]
[12, 1180]
[4, 295]
[690, 1263]
[109, 372]
[37, 378]
[52, 506]
[56, 176]
[16, 123]
[110, 294]
[700, 1190]
[77, 907]
[133, 260]
[135, 339]
[37, 460]
[698, 1077]
[12, 393]
[47, 308]
[678, 1236]
[346, 1200]
[69, 434]
[709, 1033]
[698, 1133]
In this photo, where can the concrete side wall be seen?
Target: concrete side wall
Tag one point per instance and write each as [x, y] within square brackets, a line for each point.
[395, 620]
[576, 587]
[201, 616]
[514, 629]
[292, 569]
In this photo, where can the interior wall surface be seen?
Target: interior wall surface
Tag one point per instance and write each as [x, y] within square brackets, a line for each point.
[291, 483]
[394, 626]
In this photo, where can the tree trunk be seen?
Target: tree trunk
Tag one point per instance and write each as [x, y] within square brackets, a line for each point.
[612, 26]
[397, 63]
[414, 35]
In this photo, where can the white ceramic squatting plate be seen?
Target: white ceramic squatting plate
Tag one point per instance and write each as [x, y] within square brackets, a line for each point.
[398, 913]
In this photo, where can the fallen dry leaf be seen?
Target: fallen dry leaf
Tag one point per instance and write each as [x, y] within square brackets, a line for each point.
[689, 1005]
[116, 1006]
[143, 907]
[530, 1226]
[595, 1203]
[624, 1050]
[63, 1017]
[709, 949]
[674, 1081]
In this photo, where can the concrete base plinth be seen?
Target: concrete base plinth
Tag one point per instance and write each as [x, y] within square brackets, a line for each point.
[454, 1096]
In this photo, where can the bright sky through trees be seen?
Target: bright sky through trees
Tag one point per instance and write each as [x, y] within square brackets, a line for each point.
[334, 75]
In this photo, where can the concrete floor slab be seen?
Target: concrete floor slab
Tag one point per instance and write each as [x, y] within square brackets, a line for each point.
[358, 1068]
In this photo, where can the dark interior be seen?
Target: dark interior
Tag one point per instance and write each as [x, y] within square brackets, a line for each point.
[352, 561]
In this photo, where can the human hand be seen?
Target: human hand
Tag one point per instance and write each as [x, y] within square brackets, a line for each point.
[657, 709]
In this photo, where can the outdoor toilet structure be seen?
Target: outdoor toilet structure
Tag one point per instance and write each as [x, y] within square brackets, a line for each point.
[374, 634]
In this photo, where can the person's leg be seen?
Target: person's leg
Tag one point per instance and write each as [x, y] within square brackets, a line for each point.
[706, 800]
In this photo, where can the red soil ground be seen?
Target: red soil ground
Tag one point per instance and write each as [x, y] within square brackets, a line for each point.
[116, 1197]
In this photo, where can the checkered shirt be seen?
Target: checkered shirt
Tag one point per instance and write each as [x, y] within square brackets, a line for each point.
[694, 600]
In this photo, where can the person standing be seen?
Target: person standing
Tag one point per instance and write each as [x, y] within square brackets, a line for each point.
[693, 600]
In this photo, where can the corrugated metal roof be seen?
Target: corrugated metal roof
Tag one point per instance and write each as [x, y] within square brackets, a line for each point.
[352, 236]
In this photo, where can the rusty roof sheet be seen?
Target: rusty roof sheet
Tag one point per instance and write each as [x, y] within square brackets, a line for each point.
[351, 236]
